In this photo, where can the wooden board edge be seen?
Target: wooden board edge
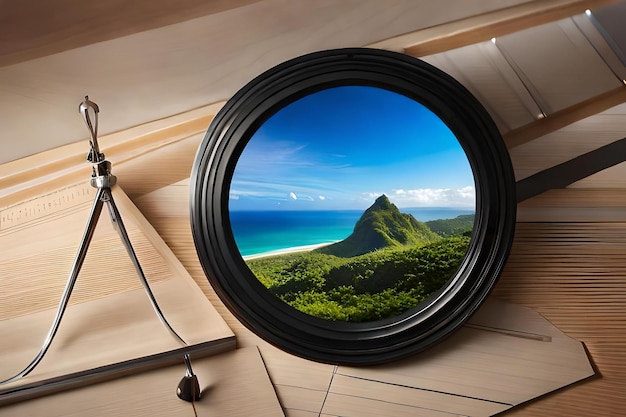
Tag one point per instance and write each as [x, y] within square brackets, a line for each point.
[113, 371]
[479, 28]
[66, 165]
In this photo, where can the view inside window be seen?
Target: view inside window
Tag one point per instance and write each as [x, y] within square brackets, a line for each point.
[353, 204]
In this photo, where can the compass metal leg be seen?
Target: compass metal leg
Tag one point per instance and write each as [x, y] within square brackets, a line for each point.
[189, 388]
[119, 226]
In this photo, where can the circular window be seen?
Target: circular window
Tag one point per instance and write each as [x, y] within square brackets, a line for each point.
[352, 206]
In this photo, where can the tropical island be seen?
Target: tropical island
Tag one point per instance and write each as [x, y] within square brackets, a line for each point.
[390, 263]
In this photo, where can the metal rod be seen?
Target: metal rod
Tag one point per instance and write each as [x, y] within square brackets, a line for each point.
[117, 220]
[189, 387]
[94, 155]
[96, 209]
[187, 359]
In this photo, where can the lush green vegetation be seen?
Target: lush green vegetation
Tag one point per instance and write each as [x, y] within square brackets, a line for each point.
[390, 263]
[375, 285]
[452, 227]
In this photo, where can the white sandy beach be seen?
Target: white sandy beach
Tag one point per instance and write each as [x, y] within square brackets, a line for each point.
[294, 249]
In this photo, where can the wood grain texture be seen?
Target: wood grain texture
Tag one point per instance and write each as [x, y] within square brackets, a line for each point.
[575, 205]
[565, 117]
[572, 171]
[60, 167]
[349, 394]
[498, 369]
[573, 274]
[31, 30]
[570, 142]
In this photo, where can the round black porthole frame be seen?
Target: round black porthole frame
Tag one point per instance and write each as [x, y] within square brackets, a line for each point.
[352, 343]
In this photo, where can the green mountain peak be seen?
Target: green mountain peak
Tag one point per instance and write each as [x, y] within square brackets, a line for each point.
[381, 203]
[382, 225]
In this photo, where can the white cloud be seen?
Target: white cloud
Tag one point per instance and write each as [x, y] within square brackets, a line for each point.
[434, 197]
[293, 195]
[322, 197]
[371, 195]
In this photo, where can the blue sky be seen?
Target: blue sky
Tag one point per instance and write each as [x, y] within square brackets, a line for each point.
[343, 147]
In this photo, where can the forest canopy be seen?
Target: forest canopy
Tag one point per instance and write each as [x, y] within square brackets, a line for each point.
[389, 264]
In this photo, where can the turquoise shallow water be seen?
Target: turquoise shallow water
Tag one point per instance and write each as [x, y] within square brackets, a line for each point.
[259, 232]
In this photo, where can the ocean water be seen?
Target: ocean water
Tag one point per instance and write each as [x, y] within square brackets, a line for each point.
[258, 232]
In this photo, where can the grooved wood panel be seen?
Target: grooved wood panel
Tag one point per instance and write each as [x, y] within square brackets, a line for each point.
[575, 205]
[574, 274]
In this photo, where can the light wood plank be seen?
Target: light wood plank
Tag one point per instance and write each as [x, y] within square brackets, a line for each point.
[569, 52]
[501, 367]
[349, 406]
[301, 413]
[609, 180]
[47, 27]
[565, 117]
[61, 167]
[485, 72]
[483, 27]
[567, 143]
[575, 205]
[573, 274]
[301, 399]
[423, 400]
[568, 198]
[288, 370]
[236, 384]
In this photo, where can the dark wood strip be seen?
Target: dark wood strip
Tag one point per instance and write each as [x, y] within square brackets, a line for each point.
[562, 175]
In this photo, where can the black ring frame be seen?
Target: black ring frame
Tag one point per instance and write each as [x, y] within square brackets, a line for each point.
[352, 343]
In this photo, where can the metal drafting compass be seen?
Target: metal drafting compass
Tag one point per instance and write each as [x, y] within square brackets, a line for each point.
[103, 180]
